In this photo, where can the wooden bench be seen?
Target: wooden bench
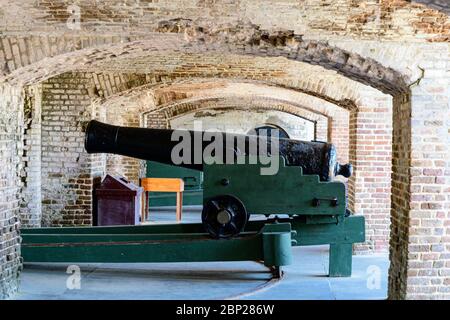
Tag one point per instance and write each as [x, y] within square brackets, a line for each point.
[162, 185]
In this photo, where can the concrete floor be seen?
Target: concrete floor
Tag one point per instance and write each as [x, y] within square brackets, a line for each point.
[306, 278]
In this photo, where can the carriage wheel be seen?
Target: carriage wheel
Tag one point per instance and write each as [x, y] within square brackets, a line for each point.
[224, 216]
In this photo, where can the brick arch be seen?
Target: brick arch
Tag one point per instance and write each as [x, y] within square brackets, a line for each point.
[27, 50]
[164, 91]
[365, 181]
[142, 98]
[147, 98]
[268, 94]
[362, 126]
[368, 187]
[350, 65]
[175, 110]
[247, 40]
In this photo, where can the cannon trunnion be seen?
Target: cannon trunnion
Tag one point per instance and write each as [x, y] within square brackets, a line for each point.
[302, 203]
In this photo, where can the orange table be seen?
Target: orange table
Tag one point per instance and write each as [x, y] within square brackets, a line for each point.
[162, 185]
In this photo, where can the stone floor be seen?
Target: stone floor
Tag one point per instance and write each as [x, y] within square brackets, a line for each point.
[306, 278]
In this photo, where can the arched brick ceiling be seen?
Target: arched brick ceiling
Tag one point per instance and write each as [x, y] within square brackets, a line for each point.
[244, 42]
[127, 87]
[278, 71]
[220, 90]
[244, 103]
[260, 92]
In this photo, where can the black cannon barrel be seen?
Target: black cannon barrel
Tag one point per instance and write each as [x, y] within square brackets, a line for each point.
[157, 144]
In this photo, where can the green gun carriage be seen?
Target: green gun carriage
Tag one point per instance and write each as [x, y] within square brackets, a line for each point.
[299, 204]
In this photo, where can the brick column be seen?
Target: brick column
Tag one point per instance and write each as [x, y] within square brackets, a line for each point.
[338, 134]
[11, 130]
[321, 129]
[420, 242]
[30, 206]
[68, 172]
[370, 185]
[155, 120]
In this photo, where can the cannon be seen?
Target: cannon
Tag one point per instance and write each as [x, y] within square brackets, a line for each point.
[300, 203]
[315, 157]
[228, 204]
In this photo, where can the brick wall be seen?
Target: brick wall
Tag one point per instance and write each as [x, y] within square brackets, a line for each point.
[67, 171]
[419, 245]
[338, 134]
[30, 204]
[321, 129]
[241, 120]
[11, 129]
[122, 114]
[156, 120]
[370, 154]
[398, 246]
